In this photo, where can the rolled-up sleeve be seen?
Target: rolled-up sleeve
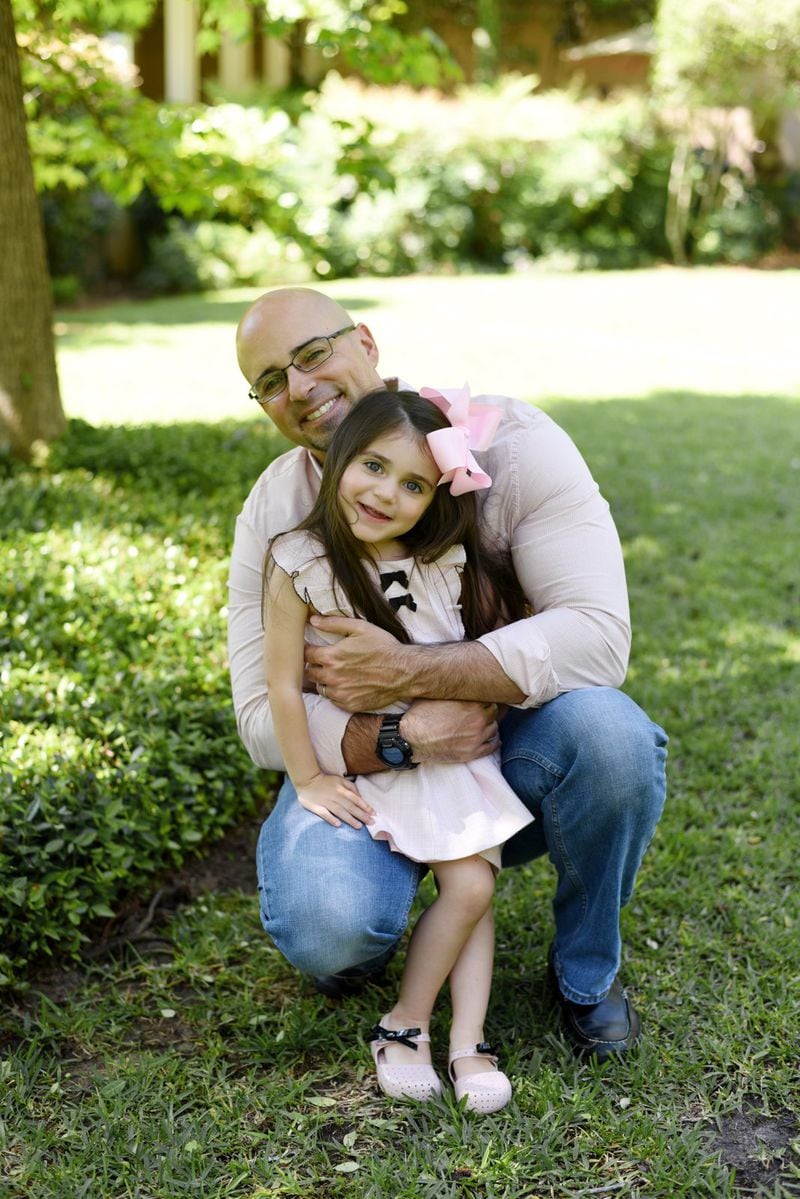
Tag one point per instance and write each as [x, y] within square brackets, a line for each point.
[326, 722]
[568, 558]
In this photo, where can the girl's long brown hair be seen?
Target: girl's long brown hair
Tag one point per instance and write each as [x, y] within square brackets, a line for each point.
[490, 592]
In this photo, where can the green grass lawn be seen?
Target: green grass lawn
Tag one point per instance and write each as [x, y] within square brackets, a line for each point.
[589, 336]
[208, 1067]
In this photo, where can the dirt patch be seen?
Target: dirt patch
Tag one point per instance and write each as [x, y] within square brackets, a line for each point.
[782, 259]
[759, 1148]
[227, 865]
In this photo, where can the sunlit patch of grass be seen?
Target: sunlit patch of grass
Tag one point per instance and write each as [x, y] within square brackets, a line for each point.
[537, 336]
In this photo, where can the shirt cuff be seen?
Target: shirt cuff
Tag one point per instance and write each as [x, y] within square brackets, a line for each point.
[526, 661]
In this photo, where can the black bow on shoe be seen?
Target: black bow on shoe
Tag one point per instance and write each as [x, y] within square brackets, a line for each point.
[403, 1035]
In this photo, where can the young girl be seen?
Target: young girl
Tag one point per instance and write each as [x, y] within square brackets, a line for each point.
[385, 542]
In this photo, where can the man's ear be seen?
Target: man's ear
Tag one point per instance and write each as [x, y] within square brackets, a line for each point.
[368, 342]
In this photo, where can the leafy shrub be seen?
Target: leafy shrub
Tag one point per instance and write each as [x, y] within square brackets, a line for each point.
[508, 177]
[75, 225]
[741, 228]
[730, 52]
[66, 289]
[207, 256]
[118, 746]
[390, 181]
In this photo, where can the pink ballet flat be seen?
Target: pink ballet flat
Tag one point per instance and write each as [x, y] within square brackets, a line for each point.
[403, 1081]
[485, 1092]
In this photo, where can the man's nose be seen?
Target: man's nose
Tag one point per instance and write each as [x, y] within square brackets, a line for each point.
[298, 383]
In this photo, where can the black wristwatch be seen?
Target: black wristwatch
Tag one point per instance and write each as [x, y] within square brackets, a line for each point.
[392, 748]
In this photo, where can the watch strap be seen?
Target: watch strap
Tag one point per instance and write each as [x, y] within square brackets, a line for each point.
[392, 748]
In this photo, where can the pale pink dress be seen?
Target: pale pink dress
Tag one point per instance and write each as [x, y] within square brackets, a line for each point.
[440, 811]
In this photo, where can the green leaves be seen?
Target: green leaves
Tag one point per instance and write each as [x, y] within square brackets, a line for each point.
[118, 746]
[89, 126]
[730, 53]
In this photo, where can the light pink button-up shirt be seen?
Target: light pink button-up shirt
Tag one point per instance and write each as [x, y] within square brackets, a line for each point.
[543, 504]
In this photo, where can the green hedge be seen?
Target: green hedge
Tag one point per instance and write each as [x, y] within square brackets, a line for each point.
[118, 745]
[387, 182]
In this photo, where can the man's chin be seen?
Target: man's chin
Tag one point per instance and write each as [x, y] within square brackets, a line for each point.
[317, 435]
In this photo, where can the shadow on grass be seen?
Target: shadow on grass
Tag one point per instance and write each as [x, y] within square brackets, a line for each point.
[167, 311]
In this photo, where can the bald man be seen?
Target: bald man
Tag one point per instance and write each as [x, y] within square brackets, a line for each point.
[581, 755]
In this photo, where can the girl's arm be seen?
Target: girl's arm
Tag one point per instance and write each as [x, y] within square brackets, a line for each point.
[329, 796]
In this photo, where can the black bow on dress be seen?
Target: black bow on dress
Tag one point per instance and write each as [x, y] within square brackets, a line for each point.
[400, 601]
[393, 576]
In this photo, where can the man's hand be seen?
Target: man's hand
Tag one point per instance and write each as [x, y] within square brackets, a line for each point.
[334, 799]
[360, 672]
[450, 730]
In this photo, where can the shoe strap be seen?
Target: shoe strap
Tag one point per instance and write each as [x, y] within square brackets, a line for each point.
[483, 1049]
[406, 1036]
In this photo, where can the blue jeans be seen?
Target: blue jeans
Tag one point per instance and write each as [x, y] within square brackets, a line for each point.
[589, 765]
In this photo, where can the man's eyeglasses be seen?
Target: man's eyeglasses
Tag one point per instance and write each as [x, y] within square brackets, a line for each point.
[311, 355]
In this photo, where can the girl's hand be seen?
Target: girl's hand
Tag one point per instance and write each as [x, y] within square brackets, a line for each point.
[334, 799]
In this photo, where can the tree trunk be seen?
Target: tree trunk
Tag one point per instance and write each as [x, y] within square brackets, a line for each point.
[30, 403]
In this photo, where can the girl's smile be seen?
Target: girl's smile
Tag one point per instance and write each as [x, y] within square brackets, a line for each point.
[386, 489]
[371, 513]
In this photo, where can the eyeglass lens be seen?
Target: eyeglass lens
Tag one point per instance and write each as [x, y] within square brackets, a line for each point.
[306, 359]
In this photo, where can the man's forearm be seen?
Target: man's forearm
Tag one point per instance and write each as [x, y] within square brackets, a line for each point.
[460, 670]
[359, 742]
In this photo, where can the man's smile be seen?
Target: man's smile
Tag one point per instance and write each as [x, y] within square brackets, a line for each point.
[318, 413]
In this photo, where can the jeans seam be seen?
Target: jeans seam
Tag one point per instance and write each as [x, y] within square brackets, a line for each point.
[520, 755]
[577, 881]
[262, 889]
[412, 892]
[558, 773]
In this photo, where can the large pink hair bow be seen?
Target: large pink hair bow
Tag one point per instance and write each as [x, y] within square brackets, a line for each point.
[472, 428]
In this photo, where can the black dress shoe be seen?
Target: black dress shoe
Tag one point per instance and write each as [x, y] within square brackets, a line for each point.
[605, 1029]
[346, 984]
[352, 982]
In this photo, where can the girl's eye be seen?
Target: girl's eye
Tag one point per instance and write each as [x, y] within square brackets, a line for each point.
[375, 467]
[413, 486]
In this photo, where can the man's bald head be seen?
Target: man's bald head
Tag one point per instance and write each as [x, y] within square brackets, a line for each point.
[310, 308]
[314, 402]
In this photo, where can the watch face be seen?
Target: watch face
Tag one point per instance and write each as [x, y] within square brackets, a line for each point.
[392, 755]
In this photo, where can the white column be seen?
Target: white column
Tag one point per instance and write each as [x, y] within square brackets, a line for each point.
[789, 139]
[181, 66]
[235, 64]
[276, 63]
[314, 65]
[235, 59]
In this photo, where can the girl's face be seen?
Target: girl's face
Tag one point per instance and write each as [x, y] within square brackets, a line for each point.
[386, 489]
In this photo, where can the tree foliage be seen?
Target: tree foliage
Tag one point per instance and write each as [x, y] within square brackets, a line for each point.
[726, 54]
[90, 125]
[730, 52]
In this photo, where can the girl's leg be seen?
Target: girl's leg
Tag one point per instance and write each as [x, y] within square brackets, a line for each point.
[470, 987]
[473, 1068]
[465, 888]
